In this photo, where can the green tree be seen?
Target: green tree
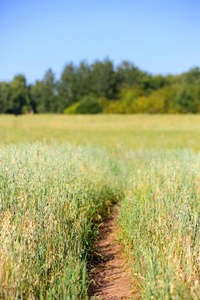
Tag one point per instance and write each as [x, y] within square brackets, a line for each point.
[150, 83]
[89, 105]
[128, 96]
[5, 92]
[83, 80]
[192, 77]
[36, 95]
[103, 79]
[67, 87]
[19, 95]
[186, 100]
[43, 94]
[49, 92]
[168, 94]
[129, 75]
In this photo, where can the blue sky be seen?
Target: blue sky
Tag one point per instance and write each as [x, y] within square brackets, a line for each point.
[160, 37]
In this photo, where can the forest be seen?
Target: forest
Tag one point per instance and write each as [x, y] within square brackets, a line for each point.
[102, 88]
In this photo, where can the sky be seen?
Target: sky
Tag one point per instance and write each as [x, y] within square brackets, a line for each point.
[160, 37]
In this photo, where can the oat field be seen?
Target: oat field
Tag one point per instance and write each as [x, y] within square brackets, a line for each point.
[60, 174]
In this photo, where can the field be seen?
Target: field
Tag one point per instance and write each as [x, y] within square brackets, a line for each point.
[136, 131]
[59, 175]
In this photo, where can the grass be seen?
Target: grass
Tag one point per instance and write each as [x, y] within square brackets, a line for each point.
[52, 193]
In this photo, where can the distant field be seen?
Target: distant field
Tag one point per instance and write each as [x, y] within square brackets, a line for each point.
[135, 131]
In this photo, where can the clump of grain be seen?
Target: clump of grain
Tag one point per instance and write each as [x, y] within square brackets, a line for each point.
[50, 198]
[160, 219]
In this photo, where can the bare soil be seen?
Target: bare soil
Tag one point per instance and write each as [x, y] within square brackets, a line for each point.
[111, 277]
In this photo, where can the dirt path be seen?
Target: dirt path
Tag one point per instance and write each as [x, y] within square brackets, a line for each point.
[111, 278]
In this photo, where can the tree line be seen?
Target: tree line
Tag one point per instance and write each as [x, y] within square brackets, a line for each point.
[103, 88]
